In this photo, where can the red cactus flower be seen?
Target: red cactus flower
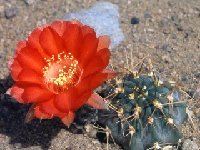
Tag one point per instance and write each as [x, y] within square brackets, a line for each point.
[58, 67]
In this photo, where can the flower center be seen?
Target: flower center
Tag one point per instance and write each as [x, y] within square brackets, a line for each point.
[61, 72]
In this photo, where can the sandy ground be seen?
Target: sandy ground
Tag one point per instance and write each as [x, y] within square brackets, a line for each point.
[168, 31]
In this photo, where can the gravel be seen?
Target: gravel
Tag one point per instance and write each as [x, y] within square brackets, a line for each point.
[172, 22]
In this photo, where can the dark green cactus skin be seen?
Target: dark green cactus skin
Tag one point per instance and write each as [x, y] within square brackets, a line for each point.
[150, 100]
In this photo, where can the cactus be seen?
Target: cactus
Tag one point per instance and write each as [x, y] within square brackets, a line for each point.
[143, 111]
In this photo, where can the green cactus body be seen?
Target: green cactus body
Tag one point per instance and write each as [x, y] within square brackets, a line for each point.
[143, 114]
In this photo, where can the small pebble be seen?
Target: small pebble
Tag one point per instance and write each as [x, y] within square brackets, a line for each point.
[10, 12]
[177, 23]
[29, 2]
[141, 55]
[197, 75]
[184, 78]
[90, 130]
[147, 14]
[174, 36]
[166, 58]
[96, 142]
[17, 145]
[164, 22]
[175, 19]
[189, 145]
[169, 147]
[191, 92]
[179, 27]
[41, 22]
[135, 20]
[1, 11]
[166, 47]
[197, 94]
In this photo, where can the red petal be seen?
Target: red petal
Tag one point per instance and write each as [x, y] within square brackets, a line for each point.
[59, 27]
[73, 39]
[84, 85]
[83, 91]
[33, 41]
[20, 46]
[76, 22]
[98, 79]
[88, 49]
[36, 94]
[93, 81]
[50, 41]
[74, 98]
[67, 120]
[30, 59]
[13, 64]
[111, 73]
[88, 84]
[104, 42]
[97, 102]
[50, 108]
[15, 68]
[38, 113]
[30, 76]
[16, 92]
[87, 30]
[81, 100]
[98, 63]
[64, 101]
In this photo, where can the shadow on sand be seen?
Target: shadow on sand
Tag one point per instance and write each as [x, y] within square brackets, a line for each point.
[12, 116]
